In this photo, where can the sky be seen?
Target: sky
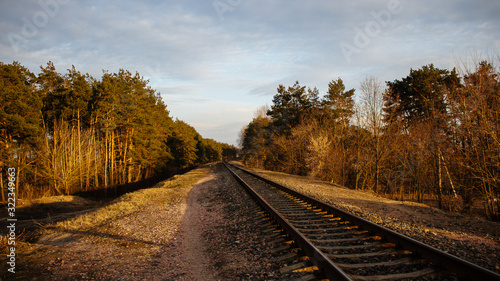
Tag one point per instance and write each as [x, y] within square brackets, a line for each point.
[216, 62]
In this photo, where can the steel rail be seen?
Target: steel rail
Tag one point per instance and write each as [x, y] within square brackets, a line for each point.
[327, 267]
[440, 258]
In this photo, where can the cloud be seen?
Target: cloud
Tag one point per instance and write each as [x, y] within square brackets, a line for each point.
[196, 58]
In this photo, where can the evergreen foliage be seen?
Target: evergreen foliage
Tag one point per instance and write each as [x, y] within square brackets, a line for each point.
[72, 132]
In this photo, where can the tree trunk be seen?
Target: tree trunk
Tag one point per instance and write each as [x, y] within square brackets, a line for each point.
[449, 177]
[80, 151]
[106, 157]
[129, 174]
[90, 156]
[377, 163]
[112, 155]
[53, 159]
[112, 159]
[1, 184]
[439, 180]
[124, 160]
[18, 175]
[97, 163]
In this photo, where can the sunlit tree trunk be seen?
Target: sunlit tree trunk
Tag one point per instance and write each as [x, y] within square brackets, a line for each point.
[112, 158]
[80, 149]
[106, 158]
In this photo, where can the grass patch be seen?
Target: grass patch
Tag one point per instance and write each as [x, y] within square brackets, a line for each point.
[165, 192]
[186, 179]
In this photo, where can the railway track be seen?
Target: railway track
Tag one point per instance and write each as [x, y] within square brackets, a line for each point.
[343, 246]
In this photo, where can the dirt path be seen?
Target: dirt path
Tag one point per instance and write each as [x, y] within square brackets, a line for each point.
[196, 262]
[186, 258]
[131, 239]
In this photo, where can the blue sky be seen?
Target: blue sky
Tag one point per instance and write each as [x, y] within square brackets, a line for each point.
[215, 62]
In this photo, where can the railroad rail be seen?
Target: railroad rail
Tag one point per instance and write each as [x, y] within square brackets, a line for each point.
[347, 247]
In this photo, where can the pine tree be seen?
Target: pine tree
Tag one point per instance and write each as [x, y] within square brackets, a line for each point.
[338, 107]
[338, 104]
[290, 107]
[54, 94]
[420, 103]
[182, 144]
[421, 96]
[20, 121]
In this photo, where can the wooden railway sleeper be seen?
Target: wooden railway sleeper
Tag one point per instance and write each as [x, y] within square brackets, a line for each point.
[309, 220]
[343, 240]
[309, 277]
[274, 235]
[327, 249]
[298, 215]
[326, 235]
[312, 227]
[328, 229]
[406, 260]
[286, 257]
[271, 230]
[397, 276]
[326, 221]
[370, 254]
[302, 214]
[293, 267]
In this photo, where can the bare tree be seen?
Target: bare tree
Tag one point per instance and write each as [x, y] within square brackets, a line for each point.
[68, 153]
[371, 118]
[318, 154]
[476, 110]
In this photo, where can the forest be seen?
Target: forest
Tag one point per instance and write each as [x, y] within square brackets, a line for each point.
[433, 134]
[66, 133]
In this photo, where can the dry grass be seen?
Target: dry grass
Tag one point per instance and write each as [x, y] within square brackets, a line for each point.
[74, 200]
[52, 206]
[134, 202]
[120, 207]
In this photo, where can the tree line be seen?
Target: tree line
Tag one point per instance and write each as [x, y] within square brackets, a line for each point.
[435, 132]
[66, 133]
